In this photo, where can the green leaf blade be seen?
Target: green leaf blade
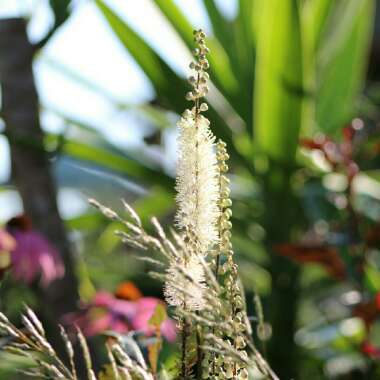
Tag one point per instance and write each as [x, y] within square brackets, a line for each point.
[279, 83]
[343, 66]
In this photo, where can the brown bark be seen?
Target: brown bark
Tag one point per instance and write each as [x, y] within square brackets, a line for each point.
[30, 165]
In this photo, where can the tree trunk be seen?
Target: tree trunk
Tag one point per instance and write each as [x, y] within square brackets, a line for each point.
[30, 165]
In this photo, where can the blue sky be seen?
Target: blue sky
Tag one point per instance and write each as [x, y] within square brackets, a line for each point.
[86, 46]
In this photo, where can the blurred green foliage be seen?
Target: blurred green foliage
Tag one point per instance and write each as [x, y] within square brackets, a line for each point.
[285, 69]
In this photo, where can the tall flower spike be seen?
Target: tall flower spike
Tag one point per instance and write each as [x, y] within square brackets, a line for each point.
[197, 201]
[197, 173]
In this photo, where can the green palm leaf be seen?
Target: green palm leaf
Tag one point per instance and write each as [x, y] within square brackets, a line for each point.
[342, 64]
[163, 78]
[220, 65]
[279, 84]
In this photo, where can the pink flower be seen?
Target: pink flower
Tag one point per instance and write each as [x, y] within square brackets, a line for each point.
[7, 242]
[140, 321]
[107, 312]
[33, 256]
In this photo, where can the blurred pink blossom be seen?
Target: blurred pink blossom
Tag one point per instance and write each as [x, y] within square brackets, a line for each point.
[145, 309]
[7, 242]
[106, 312]
[33, 256]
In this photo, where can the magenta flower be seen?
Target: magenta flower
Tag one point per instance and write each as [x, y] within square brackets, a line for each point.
[33, 256]
[107, 312]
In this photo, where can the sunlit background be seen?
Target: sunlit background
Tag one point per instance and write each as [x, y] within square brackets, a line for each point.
[83, 72]
[298, 100]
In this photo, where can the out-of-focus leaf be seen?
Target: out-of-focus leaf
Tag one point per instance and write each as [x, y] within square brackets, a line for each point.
[220, 26]
[278, 80]
[11, 364]
[244, 55]
[372, 237]
[159, 316]
[255, 277]
[326, 256]
[76, 77]
[61, 12]
[372, 279]
[342, 63]
[107, 240]
[157, 203]
[353, 336]
[95, 140]
[117, 163]
[374, 174]
[166, 83]
[158, 116]
[86, 288]
[369, 310]
[220, 65]
[227, 33]
[88, 221]
[316, 14]
[6, 187]
[313, 20]
[245, 37]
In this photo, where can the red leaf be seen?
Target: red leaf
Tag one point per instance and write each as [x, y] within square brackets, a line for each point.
[368, 311]
[328, 257]
[348, 133]
[311, 144]
[370, 350]
[373, 236]
[20, 222]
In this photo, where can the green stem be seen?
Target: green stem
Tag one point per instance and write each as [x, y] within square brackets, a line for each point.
[184, 349]
[282, 214]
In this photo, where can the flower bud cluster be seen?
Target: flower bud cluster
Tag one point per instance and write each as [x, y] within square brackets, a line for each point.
[229, 268]
[221, 367]
[217, 365]
[199, 79]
